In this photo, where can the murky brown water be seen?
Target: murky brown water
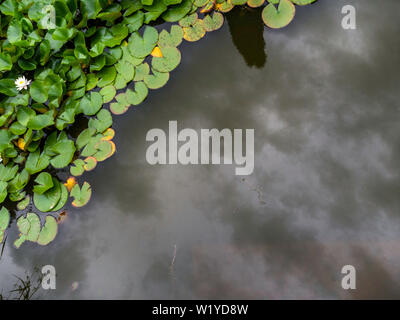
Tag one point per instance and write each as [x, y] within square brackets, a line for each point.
[324, 103]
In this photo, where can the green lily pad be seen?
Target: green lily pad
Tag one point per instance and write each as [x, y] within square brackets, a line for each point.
[23, 225]
[156, 80]
[177, 12]
[36, 162]
[279, 17]
[44, 183]
[141, 71]
[91, 103]
[84, 137]
[141, 46]
[172, 38]
[225, 6]
[23, 204]
[19, 241]
[64, 151]
[34, 229]
[63, 198]
[126, 69]
[81, 195]
[90, 163]
[137, 97]
[48, 232]
[108, 93]
[195, 31]
[168, 62]
[3, 190]
[118, 108]
[4, 222]
[255, 3]
[104, 150]
[47, 201]
[102, 121]
[106, 76]
[77, 168]
[213, 22]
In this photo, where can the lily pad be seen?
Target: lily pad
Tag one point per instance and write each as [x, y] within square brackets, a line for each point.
[137, 97]
[63, 198]
[81, 195]
[47, 201]
[4, 221]
[91, 103]
[90, 163]
[102, 121]
[77, 168]
[108, 93]
[194, 32]
[104, 150]
[64, 151]
[44, 183]
[170, 60]
[156, 80]
[141, 46]
[279, 17]
[172, 38]
[34, 228]
[118, 108]
[23, 204]
[177, 12]
[255, 3]
[48, 232]
[141, 71]
[213, 22]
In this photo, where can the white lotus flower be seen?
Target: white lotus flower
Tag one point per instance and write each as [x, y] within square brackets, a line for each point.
[22, 83]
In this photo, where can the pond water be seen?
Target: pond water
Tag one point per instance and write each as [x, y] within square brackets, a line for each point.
[324, 103]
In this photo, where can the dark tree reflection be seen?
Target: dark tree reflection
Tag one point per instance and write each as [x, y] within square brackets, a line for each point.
[246, 28]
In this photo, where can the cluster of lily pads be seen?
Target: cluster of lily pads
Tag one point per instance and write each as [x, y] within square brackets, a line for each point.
[64, 59]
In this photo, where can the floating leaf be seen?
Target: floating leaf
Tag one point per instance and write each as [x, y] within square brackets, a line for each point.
[23, 204]
[156, 80]
[4, 221]
[81, 196]
[170, 60]
[278, 17]
[118, 108]
[108, 93]
[44, 183]
[108, 134]
[172, 38]
[34, 227]
[141, 46]
[105, 149]
[91, 103]
[177, 12]
[48, 232]
[137, 97]
[63, 198]
[255, 3]
[213, 22]
[90, 163]
[47, 201]
[141, 71]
